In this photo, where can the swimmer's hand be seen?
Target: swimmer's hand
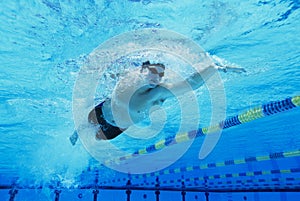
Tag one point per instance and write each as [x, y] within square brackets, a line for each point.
[234, 69]
[225, 66]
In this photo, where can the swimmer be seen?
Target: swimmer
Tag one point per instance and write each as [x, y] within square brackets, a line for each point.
[145, 91]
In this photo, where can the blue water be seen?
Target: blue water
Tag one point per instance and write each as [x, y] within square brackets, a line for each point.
[45, 43]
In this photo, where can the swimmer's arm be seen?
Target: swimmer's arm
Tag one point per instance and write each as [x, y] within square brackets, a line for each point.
[193, 82]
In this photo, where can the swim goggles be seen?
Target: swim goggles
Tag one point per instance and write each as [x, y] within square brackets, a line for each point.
[154, 68]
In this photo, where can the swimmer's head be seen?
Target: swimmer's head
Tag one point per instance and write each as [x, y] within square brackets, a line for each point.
[155, 72]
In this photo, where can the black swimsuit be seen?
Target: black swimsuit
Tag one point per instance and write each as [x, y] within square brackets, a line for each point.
[108, 130]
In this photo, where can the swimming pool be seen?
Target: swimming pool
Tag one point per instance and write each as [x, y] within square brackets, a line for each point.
[44, 45]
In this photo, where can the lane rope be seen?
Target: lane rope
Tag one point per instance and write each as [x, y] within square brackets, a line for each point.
[255, 113]
[271, 156]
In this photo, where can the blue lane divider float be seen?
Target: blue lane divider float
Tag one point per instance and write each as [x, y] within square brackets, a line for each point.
[255, 113]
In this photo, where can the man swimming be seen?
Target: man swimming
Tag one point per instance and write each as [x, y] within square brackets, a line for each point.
[131, 105]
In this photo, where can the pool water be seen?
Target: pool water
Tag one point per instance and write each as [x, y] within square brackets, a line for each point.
[45, 44]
